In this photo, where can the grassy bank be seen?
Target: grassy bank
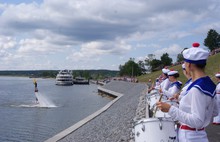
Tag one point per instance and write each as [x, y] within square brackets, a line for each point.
[213, 66]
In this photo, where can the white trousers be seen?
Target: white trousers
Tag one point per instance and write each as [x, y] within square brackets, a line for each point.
[192, 136]
[217, 118]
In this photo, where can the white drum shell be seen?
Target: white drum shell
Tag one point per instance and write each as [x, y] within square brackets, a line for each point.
[159, 113]
[155, 130]
[155, 98]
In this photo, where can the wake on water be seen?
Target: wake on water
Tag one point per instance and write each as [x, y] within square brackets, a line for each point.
[43, 102]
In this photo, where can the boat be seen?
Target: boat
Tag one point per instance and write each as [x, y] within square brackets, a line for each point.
[64, 78]
[80, 80]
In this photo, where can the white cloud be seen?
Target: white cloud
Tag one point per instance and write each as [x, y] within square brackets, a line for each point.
[7, 42]
[4, 55]
[37, 47]
[94, 50]
[172, 50]
[92, 30]
[178, 35]
[204, 28]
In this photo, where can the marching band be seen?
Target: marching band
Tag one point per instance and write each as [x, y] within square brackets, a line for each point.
[198, 100]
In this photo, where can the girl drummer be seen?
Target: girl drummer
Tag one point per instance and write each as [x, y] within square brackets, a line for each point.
[180, 94]
[216, 120]
[165, 83]
[175, 85]
[197, 107]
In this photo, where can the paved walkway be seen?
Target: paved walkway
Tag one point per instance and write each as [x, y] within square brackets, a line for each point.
[213, 132]
[115, 124]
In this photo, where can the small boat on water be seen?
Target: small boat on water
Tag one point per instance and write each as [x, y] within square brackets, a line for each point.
[64, 78]
[80, 80]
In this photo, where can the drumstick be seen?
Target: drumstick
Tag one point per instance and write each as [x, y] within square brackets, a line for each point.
[159, 101]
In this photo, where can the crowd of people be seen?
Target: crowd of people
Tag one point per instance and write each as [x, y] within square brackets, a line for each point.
[199, 97]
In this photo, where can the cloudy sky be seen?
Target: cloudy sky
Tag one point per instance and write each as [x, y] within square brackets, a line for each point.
[99, 34]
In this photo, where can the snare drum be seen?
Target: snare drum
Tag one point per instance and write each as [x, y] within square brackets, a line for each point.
[153, 92]
[159, 113]
[155, 98]
[155, 130]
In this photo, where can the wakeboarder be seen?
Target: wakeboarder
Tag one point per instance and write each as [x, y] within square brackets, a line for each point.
[35, 88]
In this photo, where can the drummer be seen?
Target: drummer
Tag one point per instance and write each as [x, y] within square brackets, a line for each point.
[198, 106]
[180, 94]
[216, 120]
[165, 83]
[175, 85]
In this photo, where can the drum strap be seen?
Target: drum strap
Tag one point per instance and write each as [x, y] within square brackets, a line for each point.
[185, 127]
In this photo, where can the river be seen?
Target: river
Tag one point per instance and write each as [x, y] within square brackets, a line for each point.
[22, 120]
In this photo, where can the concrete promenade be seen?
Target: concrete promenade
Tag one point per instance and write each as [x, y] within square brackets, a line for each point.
[213, 132]
[112, 125]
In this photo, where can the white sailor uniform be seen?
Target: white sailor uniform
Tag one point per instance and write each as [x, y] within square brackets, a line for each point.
[173, 89]
[165, 84]
[183, 90]
[196, 110]
[216, 119]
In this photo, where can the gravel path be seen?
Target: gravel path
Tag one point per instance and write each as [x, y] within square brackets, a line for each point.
[115, 124]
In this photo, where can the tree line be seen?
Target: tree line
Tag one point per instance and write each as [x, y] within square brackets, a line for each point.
[150, 64]
[88, 74]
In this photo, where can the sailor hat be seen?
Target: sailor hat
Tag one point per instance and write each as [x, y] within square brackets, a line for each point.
[195, 55]
[165, 70]
[183, 66]
[171, 73]
[217, 74]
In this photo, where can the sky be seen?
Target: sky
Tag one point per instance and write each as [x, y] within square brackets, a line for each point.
[99, 34]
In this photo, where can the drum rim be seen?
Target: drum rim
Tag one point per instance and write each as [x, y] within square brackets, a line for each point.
[176, 101]
[156, 119]
[154, 94]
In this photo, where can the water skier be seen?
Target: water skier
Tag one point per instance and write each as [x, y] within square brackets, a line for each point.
[35, 88]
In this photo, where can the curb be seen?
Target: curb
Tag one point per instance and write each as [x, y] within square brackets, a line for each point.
[71, 129]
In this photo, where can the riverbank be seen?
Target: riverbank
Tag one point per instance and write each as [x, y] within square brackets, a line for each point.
[117, 122]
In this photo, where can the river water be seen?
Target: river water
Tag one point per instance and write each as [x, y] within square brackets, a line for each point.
[22, 120]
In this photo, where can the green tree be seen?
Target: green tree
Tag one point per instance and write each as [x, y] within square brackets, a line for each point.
[48, 74]
[166, 60]
[155, 64]
[141, 64]
[86, 74]
[76, 73]
[180, 58]
[212, 41]
[148, 61]
[130, 68]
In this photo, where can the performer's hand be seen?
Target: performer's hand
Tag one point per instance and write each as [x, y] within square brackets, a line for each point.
[176, 96]
[171, 98]
[160, 90]
[164, 107]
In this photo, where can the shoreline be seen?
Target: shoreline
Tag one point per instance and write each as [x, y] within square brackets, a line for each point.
[115, 122]
[82, 122]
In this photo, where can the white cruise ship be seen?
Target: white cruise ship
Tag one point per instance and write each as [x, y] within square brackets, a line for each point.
[64, 77]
